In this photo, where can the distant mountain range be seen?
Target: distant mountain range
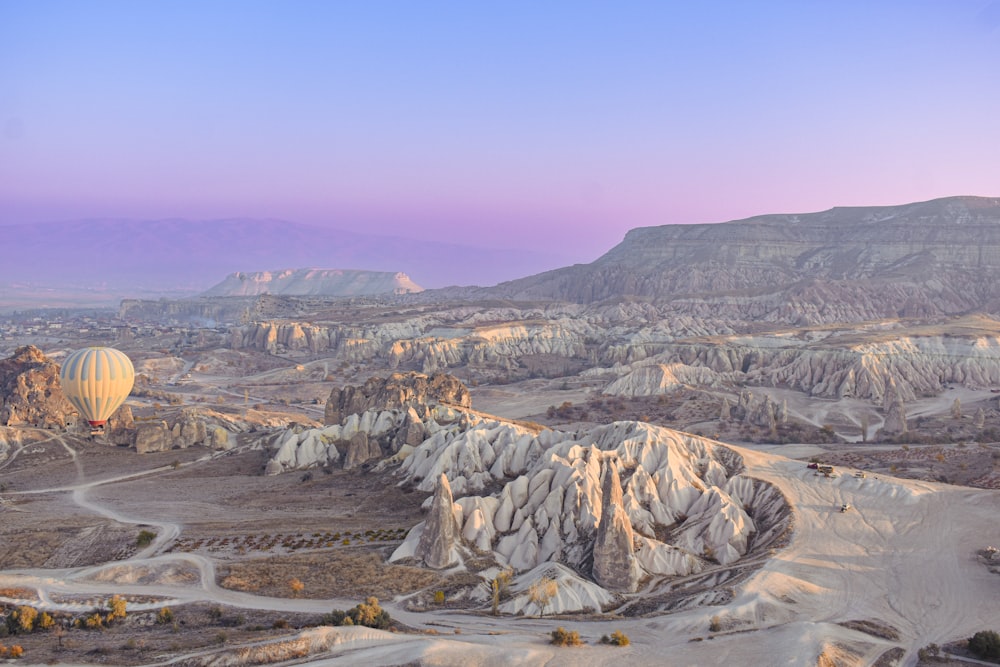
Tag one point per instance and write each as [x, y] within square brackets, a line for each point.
[848, 263]
[103, 260]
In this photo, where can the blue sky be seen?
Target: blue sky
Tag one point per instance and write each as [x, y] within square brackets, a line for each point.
[515, 124]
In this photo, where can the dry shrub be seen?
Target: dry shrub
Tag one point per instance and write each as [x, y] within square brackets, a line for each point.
[563, 637]
[327, 574]
[617, 638]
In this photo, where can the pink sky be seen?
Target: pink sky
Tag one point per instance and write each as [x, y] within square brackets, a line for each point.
[560, 125]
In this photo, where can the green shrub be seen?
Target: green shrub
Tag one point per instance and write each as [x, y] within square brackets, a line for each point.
[985, 644]
[367, 613]
[145, 538]
[563, 637]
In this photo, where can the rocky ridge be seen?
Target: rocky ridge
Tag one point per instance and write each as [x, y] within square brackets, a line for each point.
[637, 350]
[314, 282]
[683, 498]
[922, 259]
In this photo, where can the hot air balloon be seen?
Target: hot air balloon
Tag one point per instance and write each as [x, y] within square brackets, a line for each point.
[97, 380]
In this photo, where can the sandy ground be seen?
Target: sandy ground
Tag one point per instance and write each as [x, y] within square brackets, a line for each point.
[904, 557]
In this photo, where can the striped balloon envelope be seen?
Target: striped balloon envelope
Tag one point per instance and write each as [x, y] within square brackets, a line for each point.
[97, 380]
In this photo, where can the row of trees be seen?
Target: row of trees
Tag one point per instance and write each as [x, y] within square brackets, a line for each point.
[26, 619]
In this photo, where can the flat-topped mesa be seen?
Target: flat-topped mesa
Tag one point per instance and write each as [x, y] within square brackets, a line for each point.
[437, 541]
[615, 567]
[314, 282]
[933, 254]
[399, 390]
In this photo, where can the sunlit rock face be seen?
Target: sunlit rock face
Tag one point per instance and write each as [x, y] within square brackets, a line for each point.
[314, 282]
[29, 391]
[622, 502]
[625, 500]
[396, 391]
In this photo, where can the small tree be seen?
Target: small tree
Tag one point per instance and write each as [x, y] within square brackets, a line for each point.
[22, 619]
[296, 586]
[165, 616]
[44, 621]
[500, 588]
[116, 605]
[541, 593]
[985, 644]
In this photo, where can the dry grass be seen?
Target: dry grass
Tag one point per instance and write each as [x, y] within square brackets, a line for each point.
[18, 593]
[326, 575]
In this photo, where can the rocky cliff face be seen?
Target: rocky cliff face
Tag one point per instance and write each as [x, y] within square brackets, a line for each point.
[30, 393]
[314, 282]
[399, 390]
[924, 258]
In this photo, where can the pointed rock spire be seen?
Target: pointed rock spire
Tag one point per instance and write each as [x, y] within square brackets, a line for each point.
[895, 411]
[440, 530]
[615, 567]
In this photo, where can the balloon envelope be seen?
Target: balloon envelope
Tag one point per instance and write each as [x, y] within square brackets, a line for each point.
[96, 380]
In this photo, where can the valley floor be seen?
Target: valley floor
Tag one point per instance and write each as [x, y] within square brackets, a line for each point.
[902, 562]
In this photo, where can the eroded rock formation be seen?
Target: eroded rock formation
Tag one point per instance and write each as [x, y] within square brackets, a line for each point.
[615, 567]
[30, 393]
[399, 390]
[191, 427]
[440, 532]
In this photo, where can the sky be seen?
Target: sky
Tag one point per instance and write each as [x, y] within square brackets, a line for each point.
[510, 124]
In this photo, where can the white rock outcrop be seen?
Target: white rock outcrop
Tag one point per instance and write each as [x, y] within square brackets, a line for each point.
[554, 498]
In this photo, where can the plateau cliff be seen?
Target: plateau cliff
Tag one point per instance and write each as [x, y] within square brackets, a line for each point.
[927, 258]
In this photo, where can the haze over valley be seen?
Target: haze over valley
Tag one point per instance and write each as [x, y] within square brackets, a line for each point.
[631, 433]
[482, 335]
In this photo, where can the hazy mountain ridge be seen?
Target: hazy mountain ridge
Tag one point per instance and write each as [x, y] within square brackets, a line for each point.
[936, 256]
[314, 282]
[130, 258]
